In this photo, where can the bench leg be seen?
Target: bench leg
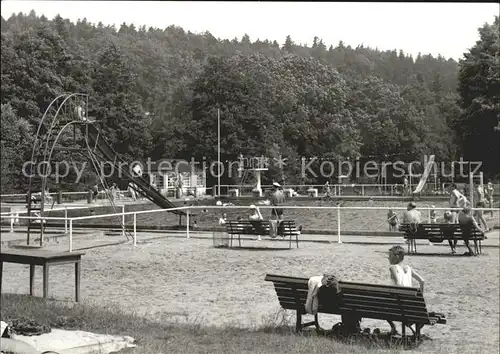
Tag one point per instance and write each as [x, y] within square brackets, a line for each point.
[1, 275]
[239, 240]
[297, 239]
[32, 279]
[298, 323]
[77, 280]
[45, 280]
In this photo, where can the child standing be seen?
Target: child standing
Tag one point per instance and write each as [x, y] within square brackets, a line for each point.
[392, 219]
[433, 215]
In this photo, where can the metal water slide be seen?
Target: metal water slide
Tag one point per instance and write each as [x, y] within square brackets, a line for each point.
[101, 150]
[425, 175]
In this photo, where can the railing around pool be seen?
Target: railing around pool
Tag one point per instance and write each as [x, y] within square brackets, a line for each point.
[69, 221]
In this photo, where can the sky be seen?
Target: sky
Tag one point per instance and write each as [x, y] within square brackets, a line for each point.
[448, 29]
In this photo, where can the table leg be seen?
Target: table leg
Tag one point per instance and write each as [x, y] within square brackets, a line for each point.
[77, 280]
[45, 280]
[32, 279]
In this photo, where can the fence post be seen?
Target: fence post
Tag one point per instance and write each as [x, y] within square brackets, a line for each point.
[338, 223]
[135, 229]
[187, 223]
[12, 217]
[363, 190]
[71, 235]
[123, 220]
[65, 219]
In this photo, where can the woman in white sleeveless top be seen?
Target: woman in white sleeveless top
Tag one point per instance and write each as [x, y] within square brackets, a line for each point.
[401, 275]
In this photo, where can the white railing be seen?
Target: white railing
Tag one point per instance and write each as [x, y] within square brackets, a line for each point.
[13, 216]
[341, 189]
[123, 214]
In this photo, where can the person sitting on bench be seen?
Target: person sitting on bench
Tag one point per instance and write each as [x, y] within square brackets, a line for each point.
[255, 219]
[467, 221]
[401, 275]
[448, 219]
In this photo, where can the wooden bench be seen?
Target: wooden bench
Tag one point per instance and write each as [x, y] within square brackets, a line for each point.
[44, 258]
[437, 233]
[382, 302]
[287, 228]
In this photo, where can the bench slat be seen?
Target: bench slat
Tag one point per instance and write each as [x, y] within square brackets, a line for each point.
[383, 315]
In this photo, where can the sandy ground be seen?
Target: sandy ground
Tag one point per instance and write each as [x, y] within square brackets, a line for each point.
[187, 280]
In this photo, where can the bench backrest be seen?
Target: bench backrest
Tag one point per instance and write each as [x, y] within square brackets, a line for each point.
[442, 231]
[249, 227]
[365, 300]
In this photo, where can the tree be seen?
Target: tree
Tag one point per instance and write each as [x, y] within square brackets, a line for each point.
[479, 87]
[116, 105]
[15, 143]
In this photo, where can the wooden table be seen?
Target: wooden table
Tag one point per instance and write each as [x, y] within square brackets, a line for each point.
[44, 258]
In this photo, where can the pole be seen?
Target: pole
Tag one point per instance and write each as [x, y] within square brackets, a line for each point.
[218, 152]
[135, 229]
[65, 219]
[338, 223]
[187, 223]
[71, 235]
[471, 187]
[123, 220]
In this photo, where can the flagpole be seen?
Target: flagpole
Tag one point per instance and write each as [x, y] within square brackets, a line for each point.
[218, 151]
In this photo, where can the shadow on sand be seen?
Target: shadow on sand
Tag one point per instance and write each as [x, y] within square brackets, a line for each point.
[257, 248]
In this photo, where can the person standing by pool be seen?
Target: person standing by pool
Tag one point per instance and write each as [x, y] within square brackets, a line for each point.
[457, 200]
[489, 196]
[406, 187]
[479, 202]
[277, 200]
[327, 190]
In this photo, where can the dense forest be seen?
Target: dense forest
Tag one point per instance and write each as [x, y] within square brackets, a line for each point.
[156, 93]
